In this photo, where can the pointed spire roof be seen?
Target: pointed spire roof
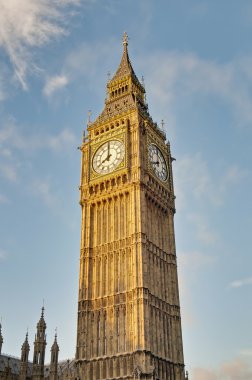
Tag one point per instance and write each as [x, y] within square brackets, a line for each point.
[25, 345]
[55, 346]
[125, 68]
[41, 323]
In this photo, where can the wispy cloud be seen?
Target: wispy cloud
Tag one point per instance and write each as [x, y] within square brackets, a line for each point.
[203, 231]
[246, 352]
[18, 144]
[3, 254]
[9, 171]
[3, 199]
[41, 188]
[193, 177]
[240, 283]
[54, 84]
[194, 261]
[236, 369]
[28, 24]
[174, 75]
[12, 137]
[190, 263]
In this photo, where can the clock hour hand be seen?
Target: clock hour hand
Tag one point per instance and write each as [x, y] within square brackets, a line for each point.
[155, 162]
[105, 159]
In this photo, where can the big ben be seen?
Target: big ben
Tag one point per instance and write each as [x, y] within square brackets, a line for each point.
[129, 323]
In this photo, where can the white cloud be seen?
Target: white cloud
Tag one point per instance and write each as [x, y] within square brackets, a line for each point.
[246, 352]
[236, 369]
[11, 138]
[193, 178]
[54, 84]
[203, 231]
[8, 171]
[62, 140]
[41, 188]
[174, 75]
[240, 283]
[3, 254]
[190, 263]
[28, 24]
[233, 175]
[3, 199]
[18, 145]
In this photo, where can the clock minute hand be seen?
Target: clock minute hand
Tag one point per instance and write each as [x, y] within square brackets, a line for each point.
[155, 162]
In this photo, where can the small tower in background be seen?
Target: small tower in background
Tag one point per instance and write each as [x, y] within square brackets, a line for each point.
[54, 360]
[24, 359]
[1, 339]
[39, 349]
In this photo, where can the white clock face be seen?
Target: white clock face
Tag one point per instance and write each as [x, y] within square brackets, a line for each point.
[158, 162]
[108, 156]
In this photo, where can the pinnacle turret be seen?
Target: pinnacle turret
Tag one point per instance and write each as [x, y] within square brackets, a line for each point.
[25, 349]
[55, 346]
[25, 345]
[54, 359]
[39, 349]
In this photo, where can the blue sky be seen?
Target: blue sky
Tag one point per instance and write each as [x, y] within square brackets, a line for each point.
[196, 59]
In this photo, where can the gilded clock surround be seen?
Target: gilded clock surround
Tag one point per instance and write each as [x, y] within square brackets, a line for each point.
[128, 312]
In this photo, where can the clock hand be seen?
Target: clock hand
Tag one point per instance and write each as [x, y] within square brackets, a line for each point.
[105, 159]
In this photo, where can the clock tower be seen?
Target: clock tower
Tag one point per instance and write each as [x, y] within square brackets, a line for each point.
[129, 324]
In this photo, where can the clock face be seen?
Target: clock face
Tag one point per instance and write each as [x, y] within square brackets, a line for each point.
[108, 156]
[158, 162]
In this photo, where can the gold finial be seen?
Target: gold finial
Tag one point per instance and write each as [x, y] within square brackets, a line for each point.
[162, 124]
[125, 39]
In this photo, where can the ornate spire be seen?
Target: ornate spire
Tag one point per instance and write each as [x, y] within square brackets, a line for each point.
[25, 349]
[55, 346]
[26, 343]
[39, 349]
[125, 68]
[54, 359]
[41, 323]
